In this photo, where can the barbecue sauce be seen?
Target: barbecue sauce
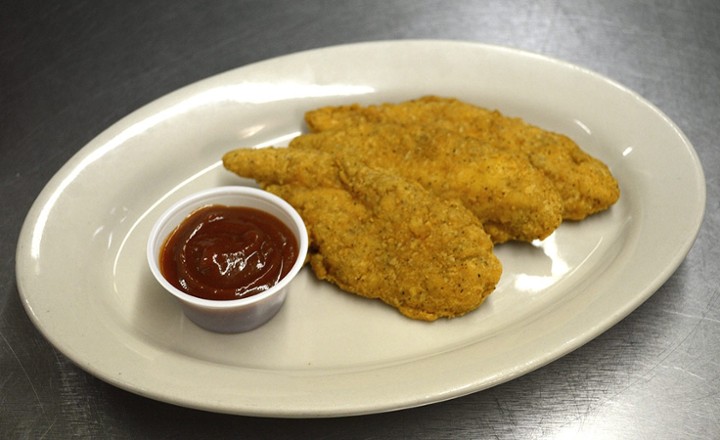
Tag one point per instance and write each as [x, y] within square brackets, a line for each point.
[228, 252]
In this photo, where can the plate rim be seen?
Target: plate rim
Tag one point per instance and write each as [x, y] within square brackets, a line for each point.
[61, 175]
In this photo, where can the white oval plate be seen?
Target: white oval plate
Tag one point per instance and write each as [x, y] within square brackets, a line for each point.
[85, 284]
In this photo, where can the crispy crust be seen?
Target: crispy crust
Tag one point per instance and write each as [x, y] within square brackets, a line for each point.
[378, 235]
[585, 184]
[512, 199]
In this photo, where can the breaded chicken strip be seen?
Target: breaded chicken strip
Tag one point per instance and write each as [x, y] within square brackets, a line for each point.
[377, 235]
[512, 199]
[585, 184]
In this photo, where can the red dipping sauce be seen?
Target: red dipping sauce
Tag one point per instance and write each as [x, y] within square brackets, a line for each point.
[228, 252]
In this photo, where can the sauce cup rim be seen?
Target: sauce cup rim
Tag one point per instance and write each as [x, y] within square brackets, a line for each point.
[153, 249]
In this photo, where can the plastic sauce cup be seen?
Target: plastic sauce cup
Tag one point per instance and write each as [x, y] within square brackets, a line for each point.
[235, 315]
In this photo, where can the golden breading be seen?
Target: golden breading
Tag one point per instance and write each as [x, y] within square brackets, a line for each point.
[378, 235]
[585, 184]
[512, 199]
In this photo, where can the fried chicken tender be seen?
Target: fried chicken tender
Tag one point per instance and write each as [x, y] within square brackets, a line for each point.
[378, 235]
[512, 199]
[585, 183]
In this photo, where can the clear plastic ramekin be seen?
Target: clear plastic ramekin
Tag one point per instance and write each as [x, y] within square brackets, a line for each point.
[237, 315]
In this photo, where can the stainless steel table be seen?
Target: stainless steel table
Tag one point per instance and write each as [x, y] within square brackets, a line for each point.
[68, 70]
